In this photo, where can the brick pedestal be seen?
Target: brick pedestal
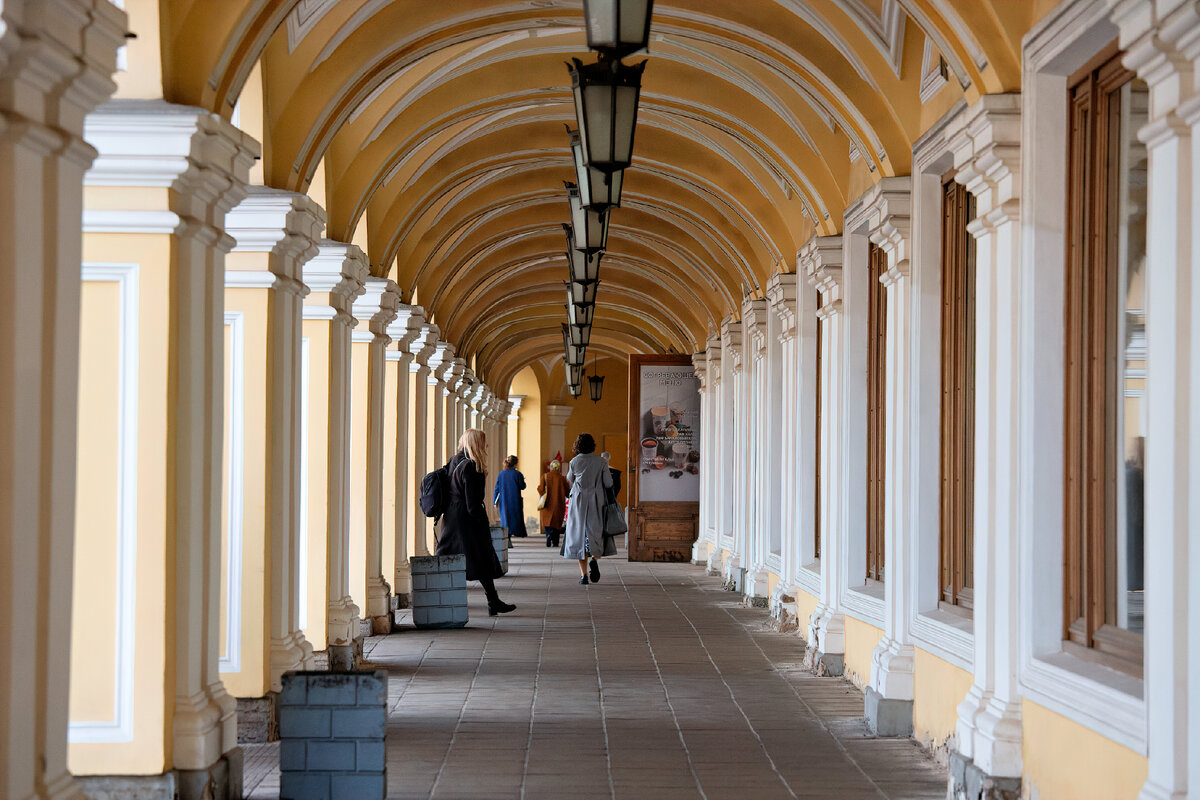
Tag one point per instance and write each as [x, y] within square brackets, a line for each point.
[439, 594]
[332, 725]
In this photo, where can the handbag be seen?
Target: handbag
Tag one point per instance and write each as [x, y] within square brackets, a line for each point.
[541, 501]
[614, 519]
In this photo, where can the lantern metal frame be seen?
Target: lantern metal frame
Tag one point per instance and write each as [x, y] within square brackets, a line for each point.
[597, 189]
[575, 389]
[575, 374]
[606, 94]
[580, 315]
[617, 27]
[572, 354]
[589, 224]
[581, 294]
[582, 267]
[579, 335]
[595, 384]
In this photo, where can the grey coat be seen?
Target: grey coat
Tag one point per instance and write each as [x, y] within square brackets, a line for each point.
[589, 477]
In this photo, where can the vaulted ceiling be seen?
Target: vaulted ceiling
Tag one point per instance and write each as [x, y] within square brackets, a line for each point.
[439, 126]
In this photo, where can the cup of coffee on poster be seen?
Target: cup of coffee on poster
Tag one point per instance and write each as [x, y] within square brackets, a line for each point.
[649, 449]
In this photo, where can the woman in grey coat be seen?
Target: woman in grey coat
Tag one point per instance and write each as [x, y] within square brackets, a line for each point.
[588, 476]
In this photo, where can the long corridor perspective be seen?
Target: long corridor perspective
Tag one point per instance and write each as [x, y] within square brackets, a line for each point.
[655, 682]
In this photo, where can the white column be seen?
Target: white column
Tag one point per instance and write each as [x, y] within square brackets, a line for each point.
[827, 626]
[781, 296]
[755, 477]
[422, 349]
[701, 547]
[1163, 47]
[558, 416]
[712, 454]
[276, 232]
[336, 277]
[730, 462]
[56, 69]
[987, 157]
[377, 306]
[404, 331]
[889, 696]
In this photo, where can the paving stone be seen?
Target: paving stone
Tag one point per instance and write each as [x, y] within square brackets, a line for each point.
[585, 693]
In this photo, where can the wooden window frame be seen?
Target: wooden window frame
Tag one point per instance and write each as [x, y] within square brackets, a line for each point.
[1091, 406]
[876, 411]
[957, 442]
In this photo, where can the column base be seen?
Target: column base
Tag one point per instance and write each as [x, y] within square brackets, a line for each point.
[713, 562]
[258, 719]
[887, 716]
[341, 657]
[221, 781]
[401, 600]
[128, 787]
[824, 664]
[969, 782]
[755, 591]
[783, 611]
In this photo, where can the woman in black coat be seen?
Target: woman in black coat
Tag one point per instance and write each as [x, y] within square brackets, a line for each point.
[464, 529]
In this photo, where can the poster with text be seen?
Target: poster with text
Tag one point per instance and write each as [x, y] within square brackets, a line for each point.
[669, 421]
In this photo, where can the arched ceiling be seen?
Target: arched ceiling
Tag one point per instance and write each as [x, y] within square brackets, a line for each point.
[439, 128]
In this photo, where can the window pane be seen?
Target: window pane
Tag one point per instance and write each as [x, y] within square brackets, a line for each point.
[1130, 249]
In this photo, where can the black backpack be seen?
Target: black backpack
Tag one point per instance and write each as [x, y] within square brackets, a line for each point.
[435, 492]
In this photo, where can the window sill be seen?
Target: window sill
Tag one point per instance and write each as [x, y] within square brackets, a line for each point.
[865, 603]
[949, 636]
[1106, 700]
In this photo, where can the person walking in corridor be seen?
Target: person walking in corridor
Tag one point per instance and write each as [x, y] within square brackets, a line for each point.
[507, 497]
[464, 530]
[588, 477]
[554, 488]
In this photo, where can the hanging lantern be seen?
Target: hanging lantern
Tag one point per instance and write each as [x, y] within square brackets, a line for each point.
[584, 267]
[575, 389]
[589, 225]
[595, 384]
[580, 315]
[581, 294]
[606, 103]
[579, 335]
[617, 27]
[572, 354]
[597, 189]
[575, 374]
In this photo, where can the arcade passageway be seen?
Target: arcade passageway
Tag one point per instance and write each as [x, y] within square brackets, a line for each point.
[654, 682]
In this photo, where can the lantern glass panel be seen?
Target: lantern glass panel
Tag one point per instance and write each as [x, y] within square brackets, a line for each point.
[595, 387]
[588, 224]
[580, 315]
[575, 355]
[597, 189]
[575, 373]
[606, 101]
[579, 335]
[619, 27]
[581, 294]
[575, 389]
[584, 267]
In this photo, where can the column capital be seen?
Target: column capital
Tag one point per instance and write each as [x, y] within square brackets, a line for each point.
[286, 226]
[731, 343]
[712, 352]
[700, 365]
[462, 378]
[441, 362]
[987, 156]
[378, 304]
[781, 295]
[336, 275]
[754, 324]
[406, 329]
[514, 404]
[820, 261]
[423, 346]
[558, 415]
[887, 206]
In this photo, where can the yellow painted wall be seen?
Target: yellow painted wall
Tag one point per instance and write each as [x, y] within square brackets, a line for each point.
[389, 471]
[1067, 761]
[316, 505]
[142, 77]
[772, 583]
[938, 688]
[861, 639]
[806, 604]
[528, 438]
[359, 353]
[149, 752]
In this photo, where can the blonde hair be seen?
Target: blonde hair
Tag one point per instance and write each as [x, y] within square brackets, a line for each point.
[474, 444]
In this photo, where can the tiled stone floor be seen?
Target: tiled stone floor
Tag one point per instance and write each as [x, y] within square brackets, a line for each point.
[653, 683]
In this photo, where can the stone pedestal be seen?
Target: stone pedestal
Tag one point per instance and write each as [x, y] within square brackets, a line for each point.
[501, 543]
[439, 597]
[333, 727]
[887, 716]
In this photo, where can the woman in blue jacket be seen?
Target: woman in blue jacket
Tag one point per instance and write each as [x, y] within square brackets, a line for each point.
[507, 497]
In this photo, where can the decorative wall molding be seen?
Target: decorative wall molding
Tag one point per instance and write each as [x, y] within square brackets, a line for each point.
[934, 74]
[231, 659]
[120, 727]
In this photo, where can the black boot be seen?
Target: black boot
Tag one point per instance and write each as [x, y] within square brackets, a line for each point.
[499, 607]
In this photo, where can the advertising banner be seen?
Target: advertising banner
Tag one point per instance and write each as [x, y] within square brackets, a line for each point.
[669, 427]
